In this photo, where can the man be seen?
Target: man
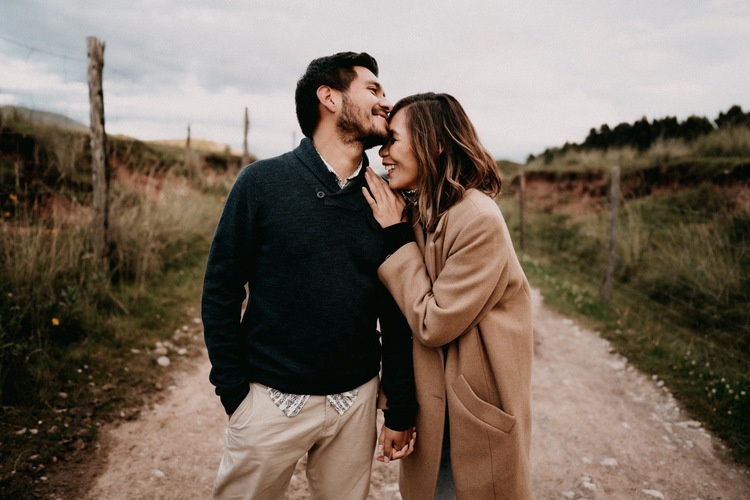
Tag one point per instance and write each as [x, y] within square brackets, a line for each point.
[297, 373]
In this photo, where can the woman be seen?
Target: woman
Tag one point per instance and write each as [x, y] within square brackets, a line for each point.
[453, 271]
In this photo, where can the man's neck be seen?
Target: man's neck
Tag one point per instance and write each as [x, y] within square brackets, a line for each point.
[344, 158]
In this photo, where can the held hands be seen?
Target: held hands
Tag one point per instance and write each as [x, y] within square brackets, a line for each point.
[387, 206]
[393, 445]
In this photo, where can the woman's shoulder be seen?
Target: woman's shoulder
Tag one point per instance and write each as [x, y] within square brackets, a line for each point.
[474, 209]
[476, 202]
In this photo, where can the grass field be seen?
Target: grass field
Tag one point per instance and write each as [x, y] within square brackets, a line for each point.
[78, 346]
[682, 285]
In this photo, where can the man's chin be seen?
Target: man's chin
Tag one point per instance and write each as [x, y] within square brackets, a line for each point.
[373, 141]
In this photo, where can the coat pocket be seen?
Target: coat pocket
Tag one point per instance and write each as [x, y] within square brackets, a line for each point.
[484, 411]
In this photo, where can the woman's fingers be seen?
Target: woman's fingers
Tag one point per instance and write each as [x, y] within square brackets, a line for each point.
[370, 200]
[380, 189]
[387, 207]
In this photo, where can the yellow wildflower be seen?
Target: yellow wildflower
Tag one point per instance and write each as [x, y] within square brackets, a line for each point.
[55, 321]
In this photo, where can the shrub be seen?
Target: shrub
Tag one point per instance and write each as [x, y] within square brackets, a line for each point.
[727, 141]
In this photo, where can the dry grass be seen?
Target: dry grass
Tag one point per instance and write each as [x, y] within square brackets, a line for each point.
[681, 290]
[68, 331]
[721, 143]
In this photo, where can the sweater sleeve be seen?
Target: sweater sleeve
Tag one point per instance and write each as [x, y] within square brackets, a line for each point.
[396, 236]
[224, 292]
[397, 367]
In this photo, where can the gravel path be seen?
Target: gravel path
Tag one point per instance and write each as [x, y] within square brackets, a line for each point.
[602, 430]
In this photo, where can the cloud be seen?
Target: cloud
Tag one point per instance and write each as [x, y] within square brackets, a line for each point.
[531, 74]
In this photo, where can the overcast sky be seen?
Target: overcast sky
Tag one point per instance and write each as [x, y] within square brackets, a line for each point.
[531, 74]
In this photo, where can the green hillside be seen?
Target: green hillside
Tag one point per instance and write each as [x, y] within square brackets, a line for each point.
[78, 344]
[682, 256]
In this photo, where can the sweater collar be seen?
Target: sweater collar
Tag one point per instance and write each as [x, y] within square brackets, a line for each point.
[309, 156]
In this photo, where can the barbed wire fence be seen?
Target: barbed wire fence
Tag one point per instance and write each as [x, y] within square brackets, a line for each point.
[606, 239]
[72, 69]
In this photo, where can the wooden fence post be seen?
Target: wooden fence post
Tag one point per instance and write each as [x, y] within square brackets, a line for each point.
[522, 210]
[100, 170]
[17, 171]
[245, 151]
[614, 194]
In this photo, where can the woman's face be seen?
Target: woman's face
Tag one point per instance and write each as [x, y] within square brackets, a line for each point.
[398, 158]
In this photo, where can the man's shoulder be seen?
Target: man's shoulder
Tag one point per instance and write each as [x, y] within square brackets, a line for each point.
[265, 171]
[278, 165]
[270, 165]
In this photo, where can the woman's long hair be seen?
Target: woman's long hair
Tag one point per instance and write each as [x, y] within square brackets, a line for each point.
[449, 155]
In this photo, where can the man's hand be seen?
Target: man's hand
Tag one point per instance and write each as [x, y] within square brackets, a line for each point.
[393, 445]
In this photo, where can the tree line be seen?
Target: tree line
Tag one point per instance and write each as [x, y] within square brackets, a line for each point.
[642, 134]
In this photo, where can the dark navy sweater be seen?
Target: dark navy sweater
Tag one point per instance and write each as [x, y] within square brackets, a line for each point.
[308, 252]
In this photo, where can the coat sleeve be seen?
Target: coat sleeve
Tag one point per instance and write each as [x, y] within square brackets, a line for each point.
[226, 274]
[472, 278]
[397, 377]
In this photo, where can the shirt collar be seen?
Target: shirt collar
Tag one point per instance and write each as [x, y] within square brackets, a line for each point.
[341, 182]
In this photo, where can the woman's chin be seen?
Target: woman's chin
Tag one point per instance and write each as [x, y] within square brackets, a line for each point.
[395, 185]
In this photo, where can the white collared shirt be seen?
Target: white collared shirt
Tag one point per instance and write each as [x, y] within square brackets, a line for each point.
[341, 182]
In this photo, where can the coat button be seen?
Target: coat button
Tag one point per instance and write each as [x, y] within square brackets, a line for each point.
[320, 194]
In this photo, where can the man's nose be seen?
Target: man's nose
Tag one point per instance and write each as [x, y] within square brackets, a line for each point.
[386, 104]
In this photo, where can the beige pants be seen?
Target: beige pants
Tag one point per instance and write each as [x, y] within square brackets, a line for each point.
[263, 446]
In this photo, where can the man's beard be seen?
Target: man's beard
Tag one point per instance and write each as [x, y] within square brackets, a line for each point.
[354, 128]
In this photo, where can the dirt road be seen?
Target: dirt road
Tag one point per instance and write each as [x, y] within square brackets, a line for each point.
[601, 430]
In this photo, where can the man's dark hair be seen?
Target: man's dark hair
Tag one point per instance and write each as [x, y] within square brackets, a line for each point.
[336, 71]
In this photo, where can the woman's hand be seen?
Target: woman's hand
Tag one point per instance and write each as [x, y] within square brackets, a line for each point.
[394, 445]
[387, 206]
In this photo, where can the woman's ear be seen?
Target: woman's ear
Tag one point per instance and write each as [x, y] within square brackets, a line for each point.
[326, 98]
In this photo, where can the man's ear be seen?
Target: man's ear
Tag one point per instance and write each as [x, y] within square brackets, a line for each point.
[327, 98]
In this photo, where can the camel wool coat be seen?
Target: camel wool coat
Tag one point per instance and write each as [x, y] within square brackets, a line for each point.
[468, 303]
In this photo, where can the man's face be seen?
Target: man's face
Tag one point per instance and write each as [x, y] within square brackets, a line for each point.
[364, 110]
